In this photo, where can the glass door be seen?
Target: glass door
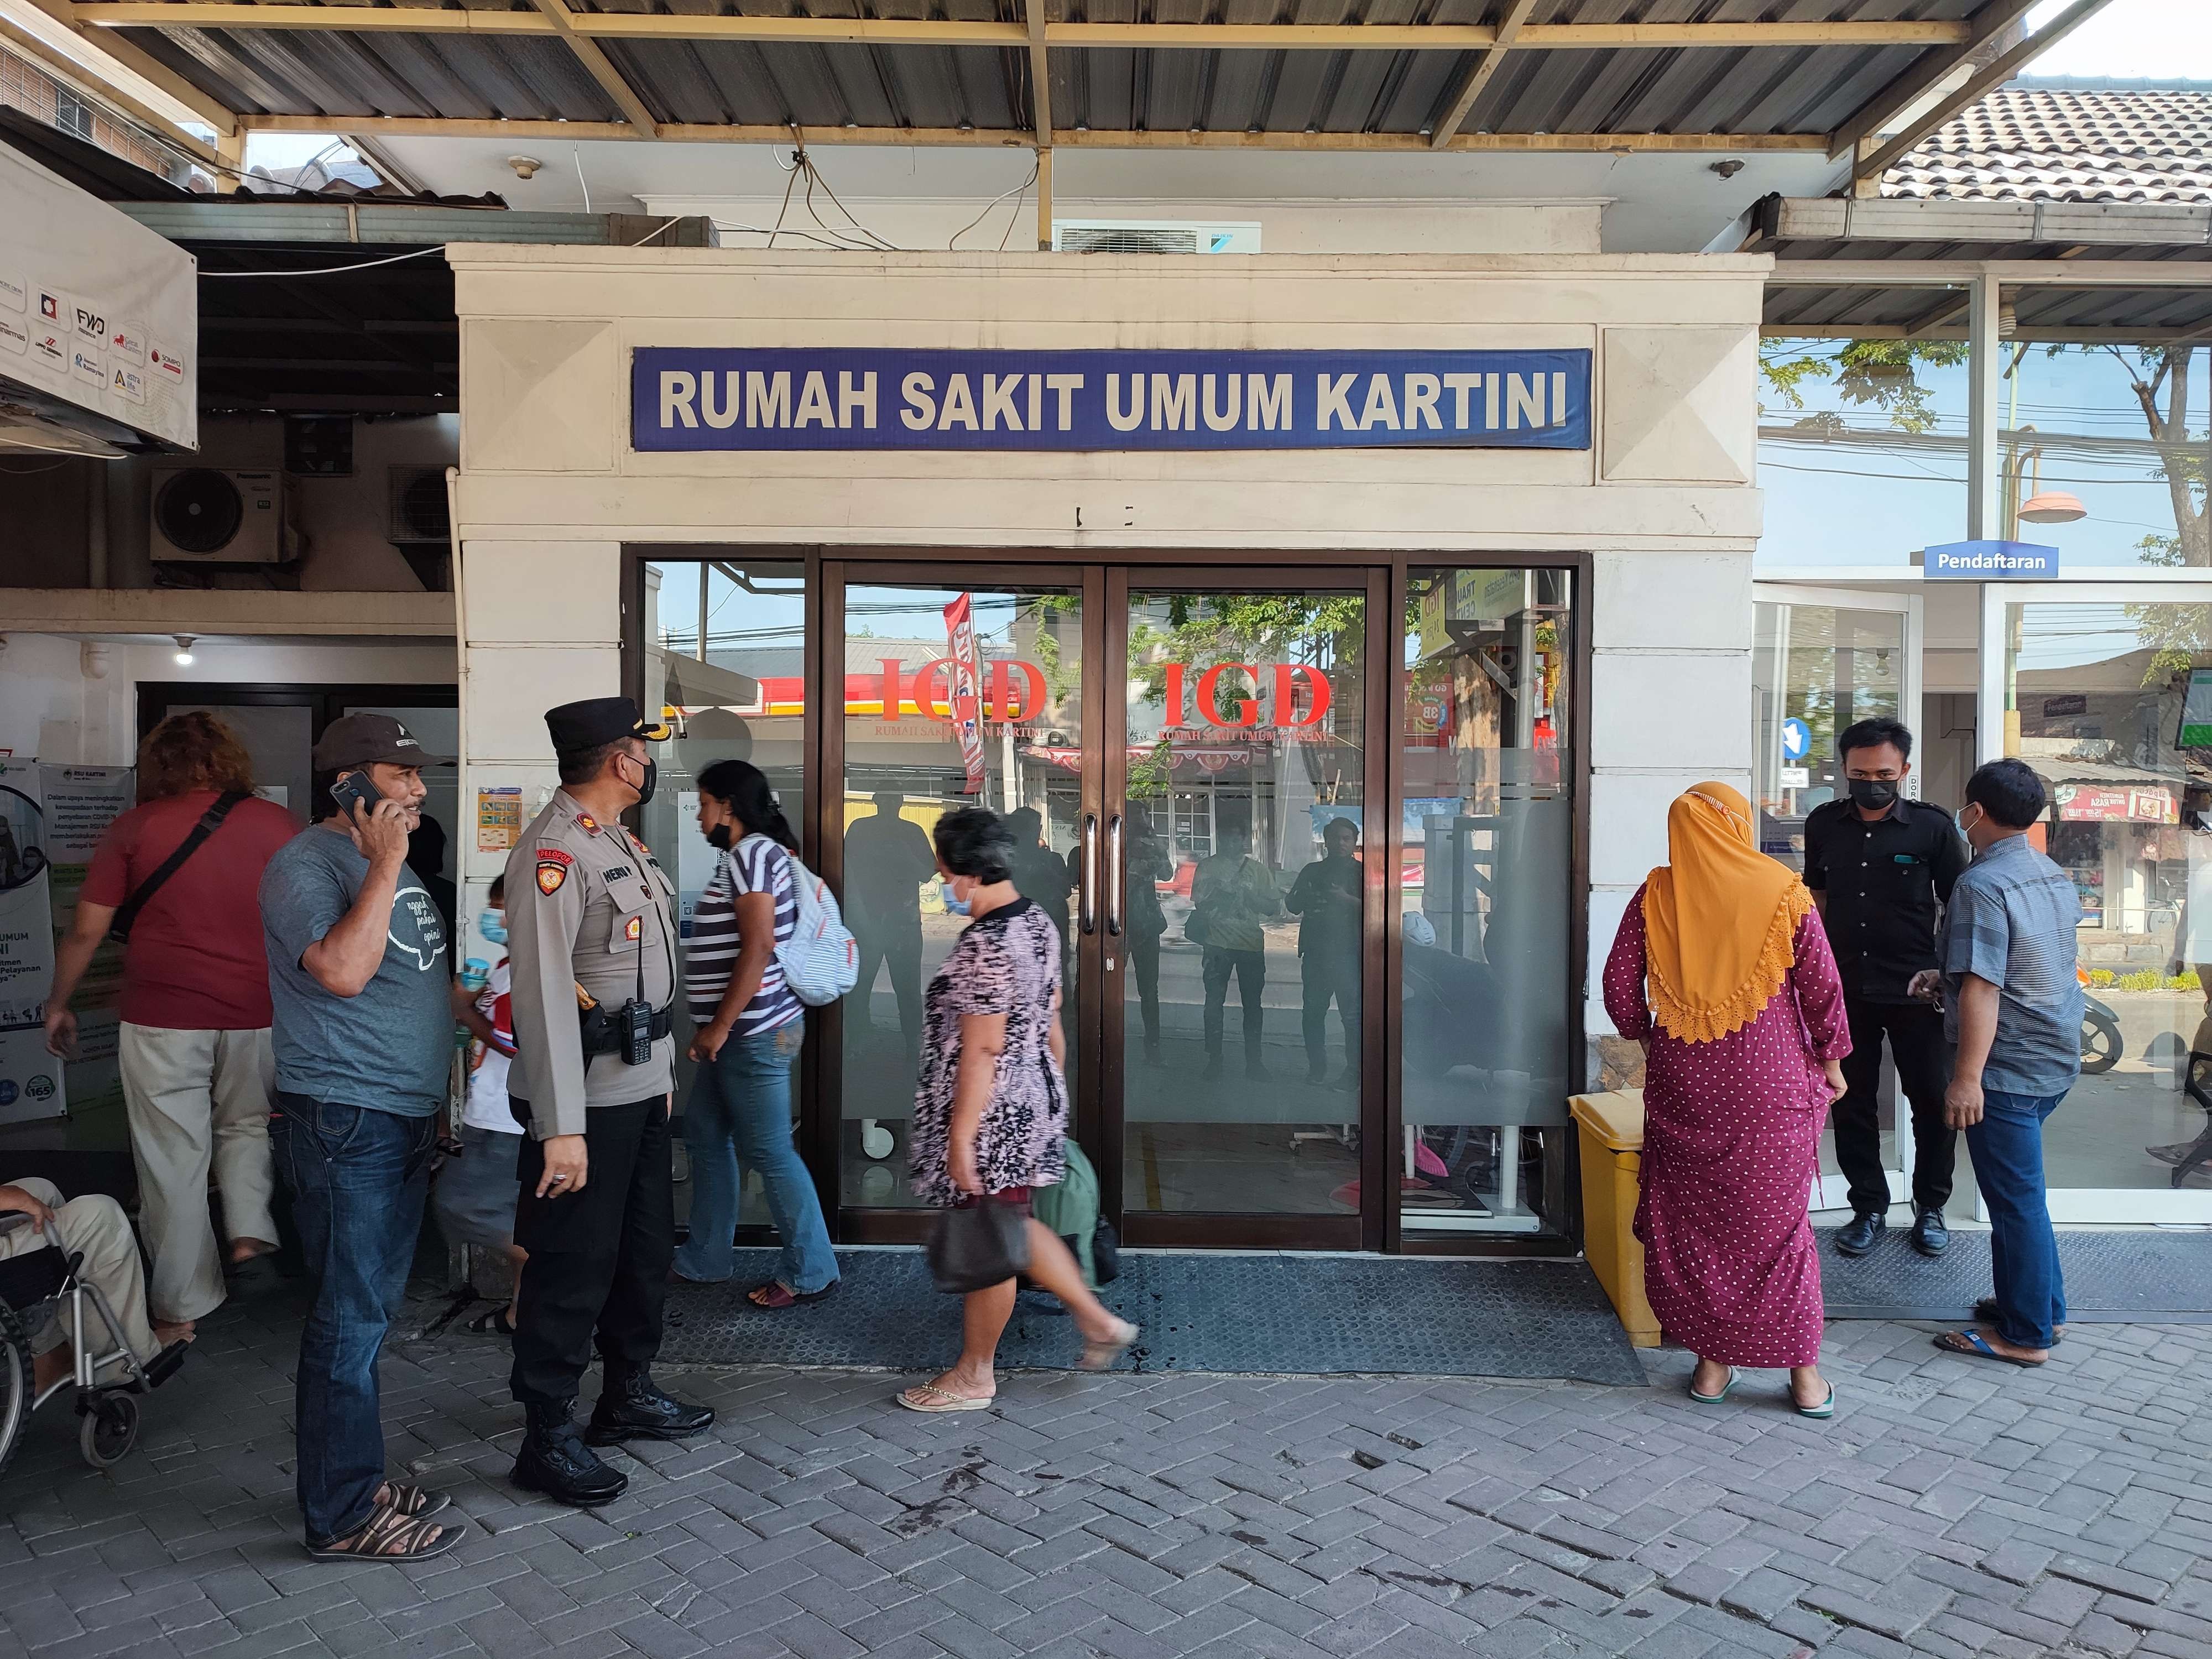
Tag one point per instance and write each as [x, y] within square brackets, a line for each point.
[1240, 928]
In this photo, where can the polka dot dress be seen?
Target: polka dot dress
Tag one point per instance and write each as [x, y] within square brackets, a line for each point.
[1731, 1147]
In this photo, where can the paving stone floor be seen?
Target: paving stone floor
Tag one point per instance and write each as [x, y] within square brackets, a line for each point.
[1952, 1508]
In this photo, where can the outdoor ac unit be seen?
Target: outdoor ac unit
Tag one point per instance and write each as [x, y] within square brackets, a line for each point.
[205, 516]
[419, 516]
[1153, 236]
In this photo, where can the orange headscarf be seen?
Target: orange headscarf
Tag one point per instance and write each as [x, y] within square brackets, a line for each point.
[1720, 919]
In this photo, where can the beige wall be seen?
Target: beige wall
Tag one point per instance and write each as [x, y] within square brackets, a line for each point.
[1664, 499]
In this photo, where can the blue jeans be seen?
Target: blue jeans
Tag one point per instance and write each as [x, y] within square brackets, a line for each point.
[738, 1117]
[358, 1178]
[2007, 1148]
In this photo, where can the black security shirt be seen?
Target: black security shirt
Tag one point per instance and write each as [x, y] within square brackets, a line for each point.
[1881, 883]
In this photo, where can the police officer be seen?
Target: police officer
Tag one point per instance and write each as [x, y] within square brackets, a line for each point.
[591, 943]
[1879, 865]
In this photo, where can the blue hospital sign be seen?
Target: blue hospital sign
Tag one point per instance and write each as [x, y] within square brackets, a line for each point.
[703, 397]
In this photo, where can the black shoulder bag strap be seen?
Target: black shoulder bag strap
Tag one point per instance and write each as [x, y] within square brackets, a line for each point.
[210, 821]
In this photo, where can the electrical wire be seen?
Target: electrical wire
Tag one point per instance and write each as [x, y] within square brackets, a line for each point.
[798, 163]
[887, 246]
[1019, 190]
[576, 154]
[328, 270]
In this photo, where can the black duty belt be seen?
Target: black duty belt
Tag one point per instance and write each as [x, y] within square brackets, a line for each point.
[607, 1032]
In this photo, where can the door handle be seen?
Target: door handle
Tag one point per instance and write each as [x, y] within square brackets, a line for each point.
[1087, 908]
[1114, 877]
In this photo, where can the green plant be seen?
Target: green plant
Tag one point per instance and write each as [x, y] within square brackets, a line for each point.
[2101, 977]
[2145, 979]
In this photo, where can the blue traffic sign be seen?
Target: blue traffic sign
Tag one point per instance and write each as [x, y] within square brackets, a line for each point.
[1796, 739]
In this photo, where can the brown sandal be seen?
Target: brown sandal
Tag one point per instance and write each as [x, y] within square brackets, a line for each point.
[776, 1295]
[413, 1501]
[388, 1535]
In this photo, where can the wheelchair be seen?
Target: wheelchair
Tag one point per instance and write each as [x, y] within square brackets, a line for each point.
[48, 1282]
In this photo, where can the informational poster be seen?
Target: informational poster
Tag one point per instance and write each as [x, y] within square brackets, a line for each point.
[967, 699]
[2197, 711]
[499, 818]
[30, 1078]
[80, 802]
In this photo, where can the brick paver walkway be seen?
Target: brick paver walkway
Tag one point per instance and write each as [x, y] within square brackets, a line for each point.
[1951, 1508]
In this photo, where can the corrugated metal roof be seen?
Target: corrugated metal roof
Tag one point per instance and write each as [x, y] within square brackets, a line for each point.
[1755, 90]
[2058, 142]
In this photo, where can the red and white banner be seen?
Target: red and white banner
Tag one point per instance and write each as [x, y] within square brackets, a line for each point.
[967, 699]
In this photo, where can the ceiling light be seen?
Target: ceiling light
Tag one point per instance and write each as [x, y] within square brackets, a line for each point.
[184, 649]
[2052, 506]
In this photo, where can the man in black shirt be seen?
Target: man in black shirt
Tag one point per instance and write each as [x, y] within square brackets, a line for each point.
[1879, 867]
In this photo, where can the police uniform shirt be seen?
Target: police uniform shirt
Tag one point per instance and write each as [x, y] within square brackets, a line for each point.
[585, 905]
[1882, 882]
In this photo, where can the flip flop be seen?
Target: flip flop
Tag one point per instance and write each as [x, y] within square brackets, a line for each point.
[776, 1295]
[1821, 1412]
[1726, 1388]
[928, 1397]
[1101, 1356]
[1972, 1345]
[1986, 1311]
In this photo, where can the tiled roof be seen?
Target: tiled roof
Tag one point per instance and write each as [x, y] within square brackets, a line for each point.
[2068, 142]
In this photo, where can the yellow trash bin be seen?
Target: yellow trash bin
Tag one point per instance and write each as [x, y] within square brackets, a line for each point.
[1612, 1127]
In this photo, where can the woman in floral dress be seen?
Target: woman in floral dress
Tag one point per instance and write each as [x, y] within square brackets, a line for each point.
[990, 1110]
[1722, 970]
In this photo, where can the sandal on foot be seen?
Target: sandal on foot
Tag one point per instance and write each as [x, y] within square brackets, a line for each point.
[1726, 1388]
[776, 1295]
[1974, 1345]
[928, 1397]
[388, 1535]
[1101, 1356]
[413, 1501]
[1821, 1412]
[1986, 1311]
[495, 1321]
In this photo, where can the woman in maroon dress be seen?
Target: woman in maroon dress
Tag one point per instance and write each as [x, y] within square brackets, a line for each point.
[1722, 970]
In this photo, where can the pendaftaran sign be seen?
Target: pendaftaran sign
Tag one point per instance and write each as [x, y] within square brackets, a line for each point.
[694, 397]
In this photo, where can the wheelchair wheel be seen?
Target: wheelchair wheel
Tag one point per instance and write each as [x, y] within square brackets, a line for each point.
[106, 1433]
[15, 1394]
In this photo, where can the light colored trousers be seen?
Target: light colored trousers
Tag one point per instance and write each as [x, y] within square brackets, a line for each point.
[198, 1099]
[95, 1225]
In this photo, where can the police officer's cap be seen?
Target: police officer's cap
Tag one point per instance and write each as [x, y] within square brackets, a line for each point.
[599, 720]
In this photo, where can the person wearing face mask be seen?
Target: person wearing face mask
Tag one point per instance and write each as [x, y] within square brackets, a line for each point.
[1879, 866]
[473, 1198]
[594, 947]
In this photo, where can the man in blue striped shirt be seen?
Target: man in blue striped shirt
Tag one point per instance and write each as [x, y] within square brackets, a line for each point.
[2011, 1004]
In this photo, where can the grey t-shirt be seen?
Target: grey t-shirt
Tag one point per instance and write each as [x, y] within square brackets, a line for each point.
[391, 1048]
[2010, 920]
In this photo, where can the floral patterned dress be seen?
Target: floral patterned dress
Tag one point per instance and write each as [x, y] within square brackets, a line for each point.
[1731, 1148]
[1008, 963]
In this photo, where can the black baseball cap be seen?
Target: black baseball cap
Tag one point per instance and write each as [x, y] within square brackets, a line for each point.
[597, 721]
[357, 740]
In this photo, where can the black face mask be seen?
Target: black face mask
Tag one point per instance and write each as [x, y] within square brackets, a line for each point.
[718, 838]
[652, 775]
[1876, 795]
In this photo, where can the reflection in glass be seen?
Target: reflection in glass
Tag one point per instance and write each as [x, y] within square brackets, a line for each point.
[725, 666]
[1489, 829]
[908, 760]
[2112, 705]
[1243, 872]
[1815, 670]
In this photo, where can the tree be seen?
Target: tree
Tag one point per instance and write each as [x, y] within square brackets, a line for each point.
[2165, 372]
[1883, 375]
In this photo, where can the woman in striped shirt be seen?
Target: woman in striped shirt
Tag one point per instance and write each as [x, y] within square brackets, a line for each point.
[751, 1026]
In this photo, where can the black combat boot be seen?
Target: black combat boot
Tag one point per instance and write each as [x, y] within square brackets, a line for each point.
[631, 1407]
[554, 1460]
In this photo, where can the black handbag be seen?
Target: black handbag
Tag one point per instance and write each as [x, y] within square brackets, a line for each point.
[978, 1244]
[1106, 1253]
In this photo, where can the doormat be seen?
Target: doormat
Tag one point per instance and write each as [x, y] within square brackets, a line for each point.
[2113, 1276]
[1287, 1313]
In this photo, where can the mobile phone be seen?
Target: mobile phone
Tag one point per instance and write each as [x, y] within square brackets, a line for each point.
[353, 790]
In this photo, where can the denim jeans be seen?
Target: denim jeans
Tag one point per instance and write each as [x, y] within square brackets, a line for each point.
[358, 1178]
[738, 1117]
[2007, 1148]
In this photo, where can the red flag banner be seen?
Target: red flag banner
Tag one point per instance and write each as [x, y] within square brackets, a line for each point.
[967, 701]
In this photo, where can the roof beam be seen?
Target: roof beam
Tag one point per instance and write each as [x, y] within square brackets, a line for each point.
[1618, 144]
[1478, 75]
[1921, 77]
[86, 83]
[1263, 37]
[1041, 120]
[1998, 70]
[598, 65]
[148, 68]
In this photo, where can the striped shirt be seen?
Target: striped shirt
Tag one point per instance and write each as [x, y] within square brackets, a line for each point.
[2010, 920]
[755, 864]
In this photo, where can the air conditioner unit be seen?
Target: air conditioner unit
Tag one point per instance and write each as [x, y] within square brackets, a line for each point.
[1153, 236]
[205, 516]
[419, 515]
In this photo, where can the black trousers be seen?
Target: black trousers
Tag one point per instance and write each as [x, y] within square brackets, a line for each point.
[898, 943]
[1250, 968]
[1915, 1032]
[1325, 977]
[1145, 962]
[598, 1259]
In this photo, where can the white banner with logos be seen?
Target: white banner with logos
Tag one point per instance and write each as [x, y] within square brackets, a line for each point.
[80, 802]
[30, 1078]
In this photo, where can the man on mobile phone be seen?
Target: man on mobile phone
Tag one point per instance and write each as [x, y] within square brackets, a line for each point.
[592, 948]
[363, 1034]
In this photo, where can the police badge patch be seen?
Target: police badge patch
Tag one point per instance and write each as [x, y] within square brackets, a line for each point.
[552, 869]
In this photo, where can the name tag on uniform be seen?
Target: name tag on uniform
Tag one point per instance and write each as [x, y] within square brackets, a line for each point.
[1906, 858]
[618, 871]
